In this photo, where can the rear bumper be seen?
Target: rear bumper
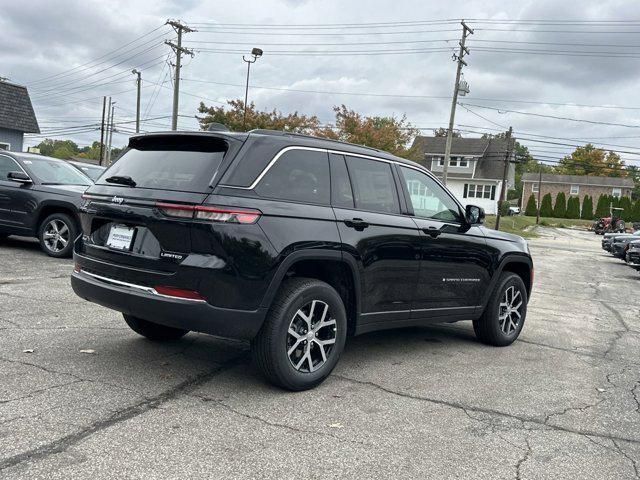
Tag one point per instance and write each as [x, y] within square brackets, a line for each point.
[198, 316]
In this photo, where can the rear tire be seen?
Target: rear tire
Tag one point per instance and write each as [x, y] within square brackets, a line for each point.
[504, 316]
[154, 331]
[303, 335]
[56, 235]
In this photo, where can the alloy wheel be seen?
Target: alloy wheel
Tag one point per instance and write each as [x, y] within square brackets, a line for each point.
[311, 336]
[510, 314]
[56, 235]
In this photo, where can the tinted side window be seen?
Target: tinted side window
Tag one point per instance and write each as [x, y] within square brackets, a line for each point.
[428, 198]
[298, 175]
[374, 188]
[7, 165]
[341, 194]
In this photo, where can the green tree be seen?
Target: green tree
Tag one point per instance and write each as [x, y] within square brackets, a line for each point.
[532, 209]
[546, 209]
[589, 160]
[442, 132]
[602, 207]
[560, 208]
[64, 149]
[627, 206]
[587, 208]
[386, 133]
[635, 214]
[573, 207]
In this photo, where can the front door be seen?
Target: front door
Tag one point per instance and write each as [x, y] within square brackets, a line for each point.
[455, 259]
[384, 242]
[11, 195]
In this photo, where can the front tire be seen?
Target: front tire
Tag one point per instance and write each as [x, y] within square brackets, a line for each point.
[504, 316]
[154, 331]
[56, 235]
[303, 335]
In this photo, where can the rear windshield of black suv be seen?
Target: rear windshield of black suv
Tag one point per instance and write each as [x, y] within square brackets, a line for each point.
[181, 163]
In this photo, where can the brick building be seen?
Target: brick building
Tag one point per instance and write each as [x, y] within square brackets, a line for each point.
[573, 185]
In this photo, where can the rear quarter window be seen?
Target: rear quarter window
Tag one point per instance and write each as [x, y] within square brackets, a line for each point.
[298, 175]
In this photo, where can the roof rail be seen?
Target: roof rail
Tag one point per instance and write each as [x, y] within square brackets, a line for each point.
[265, 131]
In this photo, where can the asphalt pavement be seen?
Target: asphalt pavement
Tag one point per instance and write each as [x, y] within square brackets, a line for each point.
[82, 396]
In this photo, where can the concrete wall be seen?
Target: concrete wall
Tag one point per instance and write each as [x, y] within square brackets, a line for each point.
[555, 188]
[13, 137]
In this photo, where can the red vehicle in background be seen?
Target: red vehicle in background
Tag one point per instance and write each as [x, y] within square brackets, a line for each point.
[611, 224]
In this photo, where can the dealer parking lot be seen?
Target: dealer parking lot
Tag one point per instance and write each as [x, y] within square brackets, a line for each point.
[81, 395]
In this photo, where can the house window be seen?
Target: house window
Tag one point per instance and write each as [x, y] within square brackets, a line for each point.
[4, 146]
[454, 162]
[616, 192]
[534, 188]
[575, 189]
[479, 191]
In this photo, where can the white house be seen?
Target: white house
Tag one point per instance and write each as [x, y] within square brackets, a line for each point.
[475, 169]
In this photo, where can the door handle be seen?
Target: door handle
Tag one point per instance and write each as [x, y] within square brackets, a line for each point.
[433, 232]
[356, 223]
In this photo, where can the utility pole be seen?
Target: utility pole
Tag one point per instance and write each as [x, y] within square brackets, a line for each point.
[463, 51]
[177, 47]
[503, 190]
[138, 82]
[539, 189]
[108, 162]
[103, 151]
[104, 106]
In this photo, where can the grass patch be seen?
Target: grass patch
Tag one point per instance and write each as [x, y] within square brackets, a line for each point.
[523, 225]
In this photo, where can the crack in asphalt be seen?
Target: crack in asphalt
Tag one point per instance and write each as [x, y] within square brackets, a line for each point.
[488, 411]
[62, 444]
[73, 375]
[277, 424]
[37, 392]
[523, 459]
[618, 333]
[633, 462]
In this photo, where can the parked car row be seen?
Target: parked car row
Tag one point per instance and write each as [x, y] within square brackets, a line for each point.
[40, 197]
[625, 246]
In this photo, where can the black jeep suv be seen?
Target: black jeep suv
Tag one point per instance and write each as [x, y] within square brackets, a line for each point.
[293, 242]
[39, 197]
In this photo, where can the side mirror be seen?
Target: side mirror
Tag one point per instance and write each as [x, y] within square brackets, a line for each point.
[474, 214]
[19, 177]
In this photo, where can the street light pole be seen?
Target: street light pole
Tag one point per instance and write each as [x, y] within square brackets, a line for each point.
[459, 57]
[255, 54]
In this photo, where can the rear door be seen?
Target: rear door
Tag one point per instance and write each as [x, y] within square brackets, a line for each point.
[373, 230]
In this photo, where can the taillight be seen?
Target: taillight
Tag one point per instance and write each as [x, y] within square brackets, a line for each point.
[178, 292]
[210, 213]
[176, 210]
[229, 215]
[77, 268]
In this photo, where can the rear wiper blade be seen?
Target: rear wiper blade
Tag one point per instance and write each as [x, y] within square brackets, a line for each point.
[122, 180]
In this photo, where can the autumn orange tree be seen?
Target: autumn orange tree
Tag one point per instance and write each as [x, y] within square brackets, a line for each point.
[385, 133]
[589, 160]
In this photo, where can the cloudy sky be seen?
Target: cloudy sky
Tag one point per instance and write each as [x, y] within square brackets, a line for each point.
[540, 57]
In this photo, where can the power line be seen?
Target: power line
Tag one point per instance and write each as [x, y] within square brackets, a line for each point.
[581, 120]
[64, 72]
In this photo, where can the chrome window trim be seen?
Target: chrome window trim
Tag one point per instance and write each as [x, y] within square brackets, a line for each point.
[142, 288]
[327, 150]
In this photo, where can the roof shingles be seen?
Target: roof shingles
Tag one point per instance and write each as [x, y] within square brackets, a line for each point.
[16, 110]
